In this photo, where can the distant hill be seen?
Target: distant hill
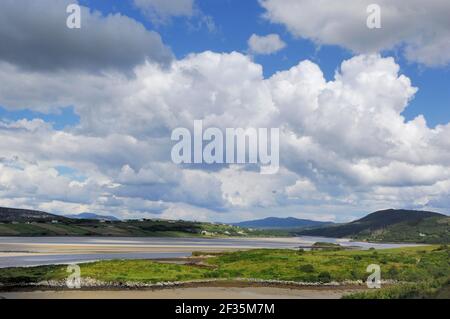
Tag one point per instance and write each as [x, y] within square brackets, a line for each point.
[392, 225]
[281, 223]
[384, 226]
[25, 215]
[20, 222]
[92, 216]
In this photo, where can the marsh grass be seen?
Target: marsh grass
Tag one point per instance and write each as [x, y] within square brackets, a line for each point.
[426, 267]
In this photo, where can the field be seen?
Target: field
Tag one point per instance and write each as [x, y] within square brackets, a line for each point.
[420, 271]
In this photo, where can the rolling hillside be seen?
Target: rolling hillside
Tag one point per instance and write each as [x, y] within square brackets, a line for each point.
[20, 222]
[392, 226]
[26, 215]
[384, 226]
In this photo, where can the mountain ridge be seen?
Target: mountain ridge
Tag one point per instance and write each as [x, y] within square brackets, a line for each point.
[8, 214]
[391, 224]
[92, 216]
[382, 226]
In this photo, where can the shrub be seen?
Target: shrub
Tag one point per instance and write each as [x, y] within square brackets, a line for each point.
[324, 276]
[392, 272]
[308, 268]
[354, 274]
[442, 247]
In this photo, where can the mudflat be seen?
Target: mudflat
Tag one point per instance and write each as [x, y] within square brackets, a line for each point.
[186, 293]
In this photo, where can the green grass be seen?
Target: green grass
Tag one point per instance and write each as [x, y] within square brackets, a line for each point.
[427, 267]
[406, 264]
[109, 271]
[431, 279]
[431, 289]
[11, 276]
[141, 271]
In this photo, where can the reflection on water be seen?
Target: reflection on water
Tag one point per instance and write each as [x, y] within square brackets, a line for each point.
[349, 243]
[66, 250]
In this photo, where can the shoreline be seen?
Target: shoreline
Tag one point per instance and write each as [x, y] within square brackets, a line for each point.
[89, 284]
[201, 293]
[205, 289]
[219, 277]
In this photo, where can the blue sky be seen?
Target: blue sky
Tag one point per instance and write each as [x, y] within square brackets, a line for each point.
[234, 22]
[85, 114]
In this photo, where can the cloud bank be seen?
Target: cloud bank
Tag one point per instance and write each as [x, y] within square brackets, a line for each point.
[421, 31]
[344, 142]
[33, 35]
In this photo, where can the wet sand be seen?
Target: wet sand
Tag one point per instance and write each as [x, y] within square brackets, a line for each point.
[186, 293]
[25, 252]
[72, 245]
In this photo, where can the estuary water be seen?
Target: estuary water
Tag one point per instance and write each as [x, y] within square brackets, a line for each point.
[35, 251]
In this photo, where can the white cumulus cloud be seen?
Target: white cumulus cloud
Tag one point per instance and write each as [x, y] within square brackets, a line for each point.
[267, 44]
[421, 29]
[344, 143]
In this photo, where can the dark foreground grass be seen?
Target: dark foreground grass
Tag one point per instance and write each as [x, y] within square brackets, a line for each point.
[429, 289]
[405, 264]
[427, 268]
[119, 271]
